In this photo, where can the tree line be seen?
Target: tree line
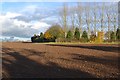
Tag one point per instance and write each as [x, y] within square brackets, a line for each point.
[56, 34]
[84, 22]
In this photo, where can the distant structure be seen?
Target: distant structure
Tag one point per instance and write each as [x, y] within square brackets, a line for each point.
[11, 39]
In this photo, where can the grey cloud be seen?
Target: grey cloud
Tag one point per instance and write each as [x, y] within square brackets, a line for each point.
[38, 14]
[10, 29]
[24, 33]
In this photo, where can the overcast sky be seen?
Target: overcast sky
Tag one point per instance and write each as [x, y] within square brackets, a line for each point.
[24, 19]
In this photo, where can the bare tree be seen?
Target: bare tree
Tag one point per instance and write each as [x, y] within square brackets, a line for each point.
[79, 11]
[87, 14]
[102, 16]
[95, 17]
[63, 18]
[111, 12]
[114, 11]
[72, 18]
[108, 13]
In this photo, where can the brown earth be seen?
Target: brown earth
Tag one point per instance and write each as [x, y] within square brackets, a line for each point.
[31, 60]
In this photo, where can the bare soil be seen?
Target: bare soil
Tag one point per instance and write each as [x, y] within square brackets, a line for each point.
[31, 60]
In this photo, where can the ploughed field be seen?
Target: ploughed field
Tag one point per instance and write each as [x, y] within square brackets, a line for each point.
[33, 60]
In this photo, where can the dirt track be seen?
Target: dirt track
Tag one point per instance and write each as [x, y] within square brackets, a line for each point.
[30, 60]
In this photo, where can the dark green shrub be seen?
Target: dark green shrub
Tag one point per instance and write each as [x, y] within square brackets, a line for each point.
[77, 34]
[69, 35]
[84, 37]
[93, 38]
[118, 34]
[112, 36]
